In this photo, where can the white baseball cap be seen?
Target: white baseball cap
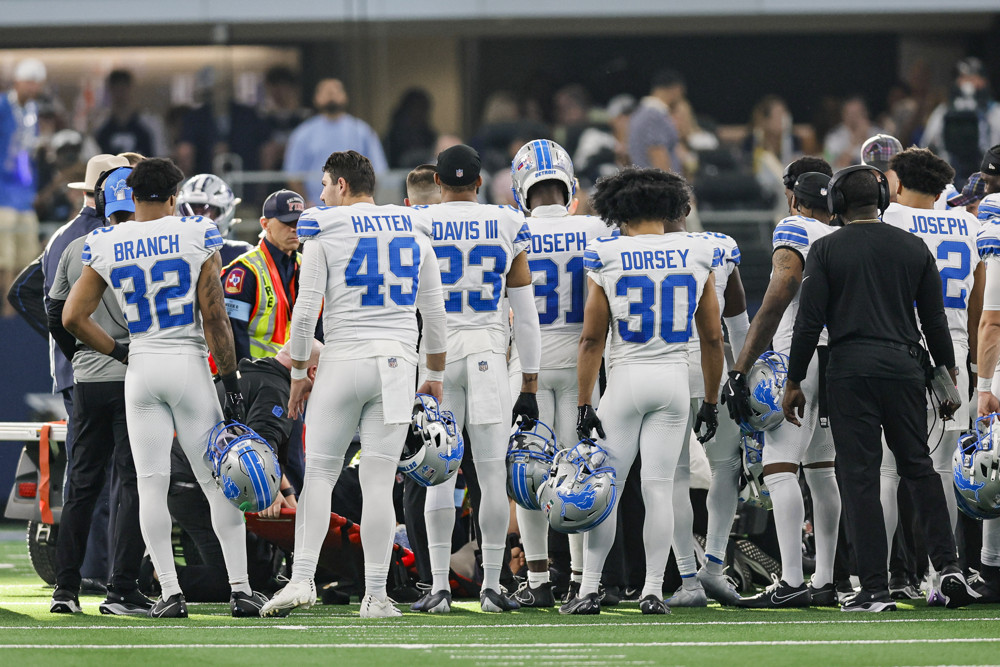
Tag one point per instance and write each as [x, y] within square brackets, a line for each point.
[30, 69]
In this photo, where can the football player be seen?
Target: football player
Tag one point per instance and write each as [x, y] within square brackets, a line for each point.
[787, 446]
[544, 185]
[164, 272]
[951, 237]
[368, 268]
[211, 197]
[483, 254]
[652, 285]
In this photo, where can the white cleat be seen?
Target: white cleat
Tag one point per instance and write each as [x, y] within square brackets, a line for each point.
[371, 607]
[688, 597]
[293, 595]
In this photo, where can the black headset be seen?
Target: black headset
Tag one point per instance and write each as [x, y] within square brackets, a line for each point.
[99, 202]
[836, 203]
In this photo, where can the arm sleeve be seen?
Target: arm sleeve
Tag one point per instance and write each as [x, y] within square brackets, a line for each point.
[240, 288]
[312, 287]
[430, 303]
[811, 318]
[63, 338]
[930, 308]
[266, 414]
[991, 295]
[737, 326]
[527, 335]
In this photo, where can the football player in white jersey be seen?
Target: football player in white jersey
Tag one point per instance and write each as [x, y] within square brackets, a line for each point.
[951, 237]
[787, 446]
[544, 185]
[652, 286]
[368, 268]
[164, 271]
[482, 252]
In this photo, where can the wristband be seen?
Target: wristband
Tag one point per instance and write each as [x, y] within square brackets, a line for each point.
[434, 376]
[985, 384]
[231, 382]
[288, 492]
[119, 352]
[299, 373]
[974, 368]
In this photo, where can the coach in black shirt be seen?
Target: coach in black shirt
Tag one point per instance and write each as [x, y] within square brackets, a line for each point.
[862, 282]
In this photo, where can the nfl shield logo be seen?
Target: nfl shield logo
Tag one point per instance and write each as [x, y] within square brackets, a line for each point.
[392, 362]
[459, 173]
[483, 366]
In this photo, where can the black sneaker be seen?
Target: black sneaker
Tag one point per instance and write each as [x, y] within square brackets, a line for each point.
[571, 592]
[243, 605]
[630, 594]
[539, 596]
[955, 589]
[173, 607]
[989, 591]
[584, 605]
[433, 603]
[653, 605]
[824, 596]
[64, 602]
[90, 586]
[845, 591]
[132, 603]
[870, 602]
[609, 596]
[777, 596]
[495, 602]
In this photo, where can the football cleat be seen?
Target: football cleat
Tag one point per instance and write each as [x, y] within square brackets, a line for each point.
[132, 603]
[989, 591]
[571, 592]
[688, 597]
[371, 607]
[537, 596]
[652, 605]
[901, 589]
[955, 589]
[824, 596]
[64, 602]
[494, 602]
[778, 595]
[845, 591]
[433, 603]
[719, 587]
[293, 595]
[870, 602]
[244, 605]
[608, 598]
[173, 607]
[588, 604]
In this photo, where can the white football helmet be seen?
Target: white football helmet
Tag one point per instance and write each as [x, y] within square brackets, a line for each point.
[766, 382]
[433, 449]
[244, 466]
[977, 470]
[529, 458]
[754, 491]
[537, 161]
[580, 492]
[209, 196]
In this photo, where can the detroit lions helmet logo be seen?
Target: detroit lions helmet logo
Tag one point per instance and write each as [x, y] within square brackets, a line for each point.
[767, 393]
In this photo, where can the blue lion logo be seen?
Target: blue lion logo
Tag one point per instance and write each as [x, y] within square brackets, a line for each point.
[766, 394]
[456, 455]
[583, 500]
[229, 487]
[968, 485]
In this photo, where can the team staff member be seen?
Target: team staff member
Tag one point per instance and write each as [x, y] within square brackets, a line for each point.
[862, 283]
[260, 285]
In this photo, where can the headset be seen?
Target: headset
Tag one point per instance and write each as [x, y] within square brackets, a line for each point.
[99, 202]
[835, 201]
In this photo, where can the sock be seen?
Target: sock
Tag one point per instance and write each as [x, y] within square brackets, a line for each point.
[575, 555]
[657, 531]
[826, 521]
[378, 521]
[689, 582]
[534, 529]
[230, 528]
[888, 484]
[439, 518]
[714, 565]
[683, 533]
[990, 552]
[312, 518]
[596, 545]
[576, 577]
[789, 514]
[155, 525]
[536, 579]
[494, 518]
[721, 502]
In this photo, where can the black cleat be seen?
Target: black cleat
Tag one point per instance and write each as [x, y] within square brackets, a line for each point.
[870, 602]
[132, 603]
[64, 602]
[433, 603]
[609, 598]
[777, 596]
[173, 607]
[824, 596]
[571, 592]
[494, 602]
[955, 589]
[243, 605]
[584, 605]
[653, 605]
[540, 596]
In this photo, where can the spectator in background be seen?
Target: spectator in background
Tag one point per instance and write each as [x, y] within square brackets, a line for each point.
[770, 142]
[600, 149]
[282, 113]
[653, 137]
[971, 194]
[124, 130]
[501, 126]
[842, 146]
[572, 115]
[18, 179]
[692, 137]
[59, 166]
[411, 138]
[329, 131]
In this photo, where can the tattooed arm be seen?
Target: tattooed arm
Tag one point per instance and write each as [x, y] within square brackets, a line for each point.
[218, 330]
[786, 276]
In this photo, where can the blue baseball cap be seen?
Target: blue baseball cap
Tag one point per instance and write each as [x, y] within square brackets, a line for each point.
[117, 195]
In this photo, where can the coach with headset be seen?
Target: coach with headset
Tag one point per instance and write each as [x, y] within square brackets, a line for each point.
[862, 282]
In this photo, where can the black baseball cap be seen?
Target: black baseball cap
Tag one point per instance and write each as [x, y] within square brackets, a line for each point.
[458, 165]
[991, 161]
[811, 189]
[285, 205]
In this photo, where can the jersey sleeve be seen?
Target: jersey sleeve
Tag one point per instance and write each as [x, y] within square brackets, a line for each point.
[790, 233]
[95, 251]
[732, 251]
[593, 262]
[205, 238]
[988, 240]
[308, 225]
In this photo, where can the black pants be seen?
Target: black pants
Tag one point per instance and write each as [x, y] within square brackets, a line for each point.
[100, 436]
[860, 408]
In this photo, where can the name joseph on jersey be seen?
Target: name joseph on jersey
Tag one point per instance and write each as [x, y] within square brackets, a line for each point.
[565, 242]
[938, 224]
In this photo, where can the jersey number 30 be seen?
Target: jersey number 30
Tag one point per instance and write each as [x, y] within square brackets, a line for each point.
[644, 307]
[158, 273]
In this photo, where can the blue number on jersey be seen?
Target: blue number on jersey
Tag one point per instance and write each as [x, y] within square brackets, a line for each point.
[643, 307]
[372, 279]
[453, 302]
[137, 295]
[549, 289]
[401, 270]
[961, 272]
[456, 268]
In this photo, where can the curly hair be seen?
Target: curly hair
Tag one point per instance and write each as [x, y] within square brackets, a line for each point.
[635, 194]
[804, 164]
[919, 169]
[354, 168]
[154, 179]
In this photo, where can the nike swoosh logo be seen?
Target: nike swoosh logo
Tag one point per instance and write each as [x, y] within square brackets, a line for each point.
[806, 278]
[782, 598]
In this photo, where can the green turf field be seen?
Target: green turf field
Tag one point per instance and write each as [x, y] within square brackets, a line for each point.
[915, 635]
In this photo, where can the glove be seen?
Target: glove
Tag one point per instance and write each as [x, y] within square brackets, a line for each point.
[708, 414]
[526, 407]
[234, 408]
[736, 397]
[587, 421]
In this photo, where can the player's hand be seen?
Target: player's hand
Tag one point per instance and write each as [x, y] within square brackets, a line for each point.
[736, 397]
[435, 389]
[235, 410]
[708, 415]
[587, 421]
[282, 501]
[794, 401]
[988, 403]
[297, 398]
[525, 408]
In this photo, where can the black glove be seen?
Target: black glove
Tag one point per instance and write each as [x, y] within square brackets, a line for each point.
[736, 397]
[708, 414]
[587, 421]
[526, 407]
[120, 352]
[234, 409]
